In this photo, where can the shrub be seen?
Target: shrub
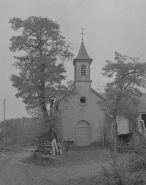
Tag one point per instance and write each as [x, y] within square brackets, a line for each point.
[119, 176]
[137, 162]
[95, 144]
[132, 173]
[139, 150]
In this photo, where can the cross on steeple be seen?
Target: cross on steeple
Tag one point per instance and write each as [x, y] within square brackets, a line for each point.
[82, 34]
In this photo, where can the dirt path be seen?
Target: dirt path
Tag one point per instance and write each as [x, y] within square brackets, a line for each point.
[13, 172]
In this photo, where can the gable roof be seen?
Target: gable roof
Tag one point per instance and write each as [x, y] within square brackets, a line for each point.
[98, 94]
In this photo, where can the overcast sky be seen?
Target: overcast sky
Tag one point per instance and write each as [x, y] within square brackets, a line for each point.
[110, 25]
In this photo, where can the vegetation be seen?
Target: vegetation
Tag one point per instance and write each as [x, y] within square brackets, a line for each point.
[42, 50]
[122, 93]
[119, 176]
[23, 131]
[132, 173]
[137, 162]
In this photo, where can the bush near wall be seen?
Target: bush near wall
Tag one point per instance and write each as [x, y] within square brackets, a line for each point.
[132, 173]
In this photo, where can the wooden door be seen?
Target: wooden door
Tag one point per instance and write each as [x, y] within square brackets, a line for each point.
[83, 134]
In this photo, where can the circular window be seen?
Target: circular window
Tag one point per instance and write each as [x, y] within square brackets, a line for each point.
[83, 100]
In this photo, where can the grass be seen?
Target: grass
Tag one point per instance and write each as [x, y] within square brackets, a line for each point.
[80, 156]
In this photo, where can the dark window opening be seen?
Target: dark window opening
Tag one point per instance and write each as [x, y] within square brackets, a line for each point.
[143, 117]
[83, 70]
[83, 100]
[124, 139]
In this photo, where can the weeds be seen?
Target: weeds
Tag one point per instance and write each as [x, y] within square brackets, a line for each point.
[131, 174]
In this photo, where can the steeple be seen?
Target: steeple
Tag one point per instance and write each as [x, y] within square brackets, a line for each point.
[82, 69]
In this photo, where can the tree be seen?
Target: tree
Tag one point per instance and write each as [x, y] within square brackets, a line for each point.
[41, 67]
[22, 130]
[122, 93]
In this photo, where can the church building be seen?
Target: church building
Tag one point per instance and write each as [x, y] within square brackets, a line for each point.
[81, 117]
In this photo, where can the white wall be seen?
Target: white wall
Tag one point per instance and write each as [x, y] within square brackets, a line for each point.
[72, 112]
[123, 126]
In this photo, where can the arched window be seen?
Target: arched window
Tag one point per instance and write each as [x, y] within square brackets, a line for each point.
[83, 70]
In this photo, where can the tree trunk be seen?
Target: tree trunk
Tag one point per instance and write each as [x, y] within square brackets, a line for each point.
[46, 117]
[133, 129]
[42, 91]
[51, 107]
[45, 113]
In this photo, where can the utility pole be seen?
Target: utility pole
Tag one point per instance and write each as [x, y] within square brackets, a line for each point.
[18, 132]
[4, 128]
[98, 86]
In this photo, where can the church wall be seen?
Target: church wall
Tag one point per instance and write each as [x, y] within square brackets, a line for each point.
[73, 112]
[83, 88]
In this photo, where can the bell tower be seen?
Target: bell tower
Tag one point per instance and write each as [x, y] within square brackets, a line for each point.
[82, 69]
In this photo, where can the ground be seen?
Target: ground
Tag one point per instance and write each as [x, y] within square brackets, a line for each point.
[71, 168]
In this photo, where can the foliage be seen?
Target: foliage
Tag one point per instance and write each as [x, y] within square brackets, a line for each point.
[41, 70]
[137, 162]
[30, 129]
[10, 130]
[132, 173]
[119, 176]
[139, 149]
[123, 94]
[25, 131]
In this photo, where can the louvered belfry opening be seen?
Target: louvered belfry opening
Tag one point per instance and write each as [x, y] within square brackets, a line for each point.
[83, 70]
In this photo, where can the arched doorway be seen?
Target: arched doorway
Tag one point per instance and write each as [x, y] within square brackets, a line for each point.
[83, 133]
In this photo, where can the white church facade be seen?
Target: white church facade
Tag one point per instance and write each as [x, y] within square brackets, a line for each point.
[81, 117]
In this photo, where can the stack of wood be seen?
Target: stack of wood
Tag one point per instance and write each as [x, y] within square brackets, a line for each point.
[44, 145]
[43, 150]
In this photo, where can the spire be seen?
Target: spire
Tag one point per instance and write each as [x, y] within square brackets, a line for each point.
[83, 53]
